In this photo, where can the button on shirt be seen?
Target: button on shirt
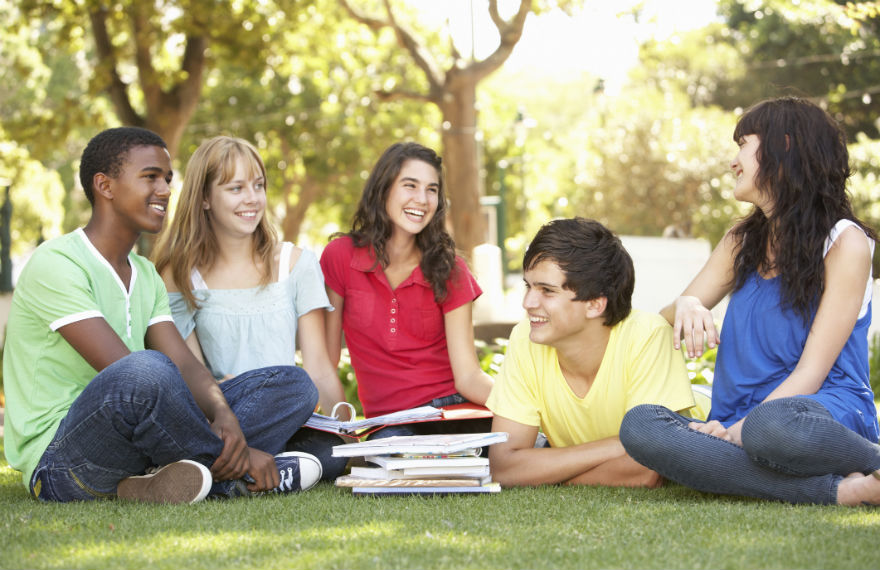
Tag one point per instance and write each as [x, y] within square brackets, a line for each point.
[397, 338]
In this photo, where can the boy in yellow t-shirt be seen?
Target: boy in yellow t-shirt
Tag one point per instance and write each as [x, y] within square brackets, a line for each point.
[580, 361]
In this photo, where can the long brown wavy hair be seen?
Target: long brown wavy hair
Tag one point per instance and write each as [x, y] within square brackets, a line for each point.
[372, 226]
[189, 241]
[803, 168]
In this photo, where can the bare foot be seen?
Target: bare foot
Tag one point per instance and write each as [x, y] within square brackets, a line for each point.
[857, 489]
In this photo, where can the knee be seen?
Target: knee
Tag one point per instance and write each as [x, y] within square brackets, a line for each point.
[145, 370]
[639, 427]
[771, 427]
[298, 384]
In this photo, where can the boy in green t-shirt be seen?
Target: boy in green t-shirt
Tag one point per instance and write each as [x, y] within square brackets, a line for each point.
[579, 362]
[100, 386]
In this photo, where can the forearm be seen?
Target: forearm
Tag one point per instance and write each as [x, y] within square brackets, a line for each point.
[541, 466]
[618, 472]
[205, 390]
[475, 387]
[330, 391]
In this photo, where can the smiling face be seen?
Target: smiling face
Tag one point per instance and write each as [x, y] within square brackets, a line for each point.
[237, 205]
[554, 315]
[139, 194]
[745, 166]
[413, 197]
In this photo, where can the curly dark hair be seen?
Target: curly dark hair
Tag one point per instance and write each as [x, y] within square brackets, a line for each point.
[371, 225]
[593, 259]
[803, 168]
[108, 151]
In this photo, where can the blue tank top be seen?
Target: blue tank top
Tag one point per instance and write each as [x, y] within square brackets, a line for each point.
[761, 343]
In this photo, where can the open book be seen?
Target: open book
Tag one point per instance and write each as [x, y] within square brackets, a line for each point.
[359, 428]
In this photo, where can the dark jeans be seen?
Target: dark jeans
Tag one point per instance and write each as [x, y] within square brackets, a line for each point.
[138, 412]
[793, 450]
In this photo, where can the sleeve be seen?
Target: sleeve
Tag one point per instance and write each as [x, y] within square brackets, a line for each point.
[161, 309]
[306, 285]
[514, 394]
[333, 262]
[462, 287]
[657, 372]
[184, 317]
[57, 289]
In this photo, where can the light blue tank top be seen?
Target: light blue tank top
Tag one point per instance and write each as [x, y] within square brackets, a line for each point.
[244, 329]
[761, 344]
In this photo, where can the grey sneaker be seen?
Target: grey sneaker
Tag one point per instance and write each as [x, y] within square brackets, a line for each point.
[183, 481]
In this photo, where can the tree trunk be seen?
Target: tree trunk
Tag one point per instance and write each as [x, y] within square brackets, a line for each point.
[461, 159]
[6, 243]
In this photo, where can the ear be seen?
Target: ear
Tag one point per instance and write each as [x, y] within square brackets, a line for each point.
[206, 205]
[103, 185]
[595, 308]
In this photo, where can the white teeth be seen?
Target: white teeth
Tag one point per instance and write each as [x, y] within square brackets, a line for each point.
[538, 319]
[411, 212]
[159, 207]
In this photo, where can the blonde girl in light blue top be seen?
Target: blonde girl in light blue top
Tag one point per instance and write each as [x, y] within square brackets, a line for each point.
[240, 298]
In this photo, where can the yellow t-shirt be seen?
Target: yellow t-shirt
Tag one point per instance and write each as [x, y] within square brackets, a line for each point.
[640, 366]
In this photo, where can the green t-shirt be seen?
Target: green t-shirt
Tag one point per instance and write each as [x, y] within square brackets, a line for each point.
[65, 281]
[640, 366]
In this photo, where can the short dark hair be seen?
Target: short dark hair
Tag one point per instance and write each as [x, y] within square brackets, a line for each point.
[593, 259]
[107, 152]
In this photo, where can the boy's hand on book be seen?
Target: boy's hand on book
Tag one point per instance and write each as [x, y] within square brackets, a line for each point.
[263, 471]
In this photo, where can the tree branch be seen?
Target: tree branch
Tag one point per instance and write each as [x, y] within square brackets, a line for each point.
[396, 95]
[407, 41]
[116, 88]
[510, 33]
[142, 31]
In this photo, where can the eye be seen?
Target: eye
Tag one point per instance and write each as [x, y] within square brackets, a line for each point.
[260, 185]
[433, 189]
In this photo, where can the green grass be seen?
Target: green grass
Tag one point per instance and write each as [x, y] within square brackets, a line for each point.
[550, 527]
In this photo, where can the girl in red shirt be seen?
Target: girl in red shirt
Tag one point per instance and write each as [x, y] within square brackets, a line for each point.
[401, 295]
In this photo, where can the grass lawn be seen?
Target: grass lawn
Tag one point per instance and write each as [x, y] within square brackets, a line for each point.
[551, 527]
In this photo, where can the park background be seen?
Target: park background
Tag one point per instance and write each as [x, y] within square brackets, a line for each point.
[620, 111]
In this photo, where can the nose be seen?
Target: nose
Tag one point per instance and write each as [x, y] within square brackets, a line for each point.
[163, 189]
[251, 193]
[529, 299]
[421, 194]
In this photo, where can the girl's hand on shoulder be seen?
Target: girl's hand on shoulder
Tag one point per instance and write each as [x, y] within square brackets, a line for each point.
[694, 323]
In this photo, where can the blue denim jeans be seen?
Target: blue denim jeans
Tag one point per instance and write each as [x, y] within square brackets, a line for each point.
[320, 444]
[793, 450]
[138, 412]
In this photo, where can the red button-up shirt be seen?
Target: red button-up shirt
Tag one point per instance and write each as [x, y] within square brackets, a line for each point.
[396, 338]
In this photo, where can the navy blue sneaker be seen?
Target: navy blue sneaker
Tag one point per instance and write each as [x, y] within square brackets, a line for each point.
[299, 471]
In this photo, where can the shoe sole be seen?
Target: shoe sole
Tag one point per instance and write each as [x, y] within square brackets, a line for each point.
[182, 482]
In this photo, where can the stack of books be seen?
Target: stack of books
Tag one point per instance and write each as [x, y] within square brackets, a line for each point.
[439, 464]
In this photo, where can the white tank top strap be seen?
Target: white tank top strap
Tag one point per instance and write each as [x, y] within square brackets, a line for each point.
[284, 260]
[835, 232]
[197, 281]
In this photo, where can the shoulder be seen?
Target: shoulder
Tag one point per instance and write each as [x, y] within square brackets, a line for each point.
[167, 278]
[639, 325]
[67, 249]
[294, 253]
[848, 238]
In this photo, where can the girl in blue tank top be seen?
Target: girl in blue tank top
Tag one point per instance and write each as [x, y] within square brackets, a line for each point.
[793, 415]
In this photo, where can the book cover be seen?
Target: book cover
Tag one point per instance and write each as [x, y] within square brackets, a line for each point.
[390, 462]
[351, 481]
[439, 491]
[434, 444]
[360, 428]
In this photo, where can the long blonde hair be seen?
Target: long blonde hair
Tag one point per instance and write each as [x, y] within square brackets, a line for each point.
[189, 241]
